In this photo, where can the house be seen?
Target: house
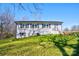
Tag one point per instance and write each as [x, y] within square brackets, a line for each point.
[29, 28]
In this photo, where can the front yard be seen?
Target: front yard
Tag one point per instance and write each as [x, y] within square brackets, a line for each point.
[45, 45]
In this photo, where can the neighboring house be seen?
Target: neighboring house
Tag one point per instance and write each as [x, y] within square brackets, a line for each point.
[29, 28]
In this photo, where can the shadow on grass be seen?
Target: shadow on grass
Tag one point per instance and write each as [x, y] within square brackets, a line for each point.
[61, 49]
[74, 46]
[76, 49]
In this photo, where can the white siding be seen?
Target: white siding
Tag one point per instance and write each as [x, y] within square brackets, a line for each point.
[29, 31]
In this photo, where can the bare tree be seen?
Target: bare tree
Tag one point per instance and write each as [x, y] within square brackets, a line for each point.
[7, 19]
[75, 28]
[1, 26]
[36, 13]
[6, 22]
[66, 29]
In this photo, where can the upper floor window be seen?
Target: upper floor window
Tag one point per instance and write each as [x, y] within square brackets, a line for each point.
[26, 25]
[21, 25]
[49, 25]
[45, 25]
[56, 27]
[34, 25]
[31, 25]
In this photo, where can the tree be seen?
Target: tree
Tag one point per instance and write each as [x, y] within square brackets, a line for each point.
[6, 23]
[75, 28]
[36, 11]
[66, 29]
[7, 19]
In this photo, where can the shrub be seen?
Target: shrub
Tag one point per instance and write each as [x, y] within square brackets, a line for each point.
[74, 34]
[59, 39]
[8, 35]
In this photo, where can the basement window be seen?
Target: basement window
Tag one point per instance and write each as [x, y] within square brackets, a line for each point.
[22, 34]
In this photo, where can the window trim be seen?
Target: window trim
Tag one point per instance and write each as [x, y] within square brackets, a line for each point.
[26, 25]
[21, 25]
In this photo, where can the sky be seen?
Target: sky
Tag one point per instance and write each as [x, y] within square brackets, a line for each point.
[68, 13]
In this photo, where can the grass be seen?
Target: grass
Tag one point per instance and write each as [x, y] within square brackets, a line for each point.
[36, 46]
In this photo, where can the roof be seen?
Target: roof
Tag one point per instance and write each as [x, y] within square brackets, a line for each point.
[38, 22]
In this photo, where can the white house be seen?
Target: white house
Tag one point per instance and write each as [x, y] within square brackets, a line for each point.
[29, 28]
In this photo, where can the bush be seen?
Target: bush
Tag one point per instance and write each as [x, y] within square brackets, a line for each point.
[7, 35]
[59, 39]
[74, 34]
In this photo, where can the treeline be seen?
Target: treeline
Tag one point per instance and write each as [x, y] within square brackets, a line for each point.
[74, 28]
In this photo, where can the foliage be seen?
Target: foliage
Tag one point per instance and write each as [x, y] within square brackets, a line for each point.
[43, 45]
[7, 35]
[74, 34]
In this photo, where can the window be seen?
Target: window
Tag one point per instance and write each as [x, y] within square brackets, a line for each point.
[32, 25]
[21, 25]
[43, 25]
[22, 34]
[36, 25]
[27, 26]
[49, 25]
[56, 27]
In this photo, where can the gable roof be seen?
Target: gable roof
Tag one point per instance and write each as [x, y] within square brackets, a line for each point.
[38, 22]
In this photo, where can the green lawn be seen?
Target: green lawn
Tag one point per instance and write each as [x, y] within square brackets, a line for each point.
[38, 46]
